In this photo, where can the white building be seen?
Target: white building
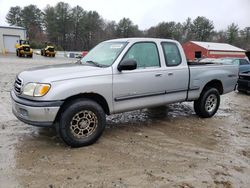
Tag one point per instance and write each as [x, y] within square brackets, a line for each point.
[9, 36]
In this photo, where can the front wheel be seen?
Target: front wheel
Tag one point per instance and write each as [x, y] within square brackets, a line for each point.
[82, 123]
[208, 103]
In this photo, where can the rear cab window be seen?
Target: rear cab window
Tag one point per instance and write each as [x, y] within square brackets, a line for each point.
[171, 54]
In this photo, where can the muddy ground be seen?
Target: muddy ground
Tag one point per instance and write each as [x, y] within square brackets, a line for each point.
[163, 147]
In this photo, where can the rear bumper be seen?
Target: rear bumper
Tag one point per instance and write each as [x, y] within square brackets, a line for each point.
[35, 113]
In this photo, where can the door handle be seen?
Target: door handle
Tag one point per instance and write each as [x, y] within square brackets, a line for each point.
[158, 75]
[170, 74]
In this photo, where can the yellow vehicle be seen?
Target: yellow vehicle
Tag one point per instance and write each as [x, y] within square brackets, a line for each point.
[23, 49]
[49, 50]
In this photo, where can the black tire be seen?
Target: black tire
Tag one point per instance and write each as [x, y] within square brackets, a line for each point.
[41, 53]
[240, 91]
[31, 55]
[210, 96]
[75, 116]
[19, 55]
[16, 53]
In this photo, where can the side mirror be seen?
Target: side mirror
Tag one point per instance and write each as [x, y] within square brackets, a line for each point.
[128, 64]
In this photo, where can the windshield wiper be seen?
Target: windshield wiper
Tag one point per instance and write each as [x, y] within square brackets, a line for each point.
[95, 63]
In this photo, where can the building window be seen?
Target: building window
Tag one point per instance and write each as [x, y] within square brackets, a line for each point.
[197, 54]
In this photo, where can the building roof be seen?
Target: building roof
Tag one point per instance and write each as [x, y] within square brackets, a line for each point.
[218, 46]
[12, 27]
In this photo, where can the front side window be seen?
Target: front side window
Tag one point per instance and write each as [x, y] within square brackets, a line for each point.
[243, 62]
[171, 53]
[145, 54]
[104, 53]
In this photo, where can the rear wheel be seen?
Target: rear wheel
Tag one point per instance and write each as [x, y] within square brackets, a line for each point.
[82, 123]
[208, 103]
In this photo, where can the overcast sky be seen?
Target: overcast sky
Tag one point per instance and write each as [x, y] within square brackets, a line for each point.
[147, 13]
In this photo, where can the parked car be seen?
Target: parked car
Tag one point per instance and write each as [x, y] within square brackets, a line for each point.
[244, 82]
[81, 55]
[117, 76]
[244, 64]
[84, 53]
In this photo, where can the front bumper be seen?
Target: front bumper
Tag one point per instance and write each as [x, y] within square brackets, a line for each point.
[37, 113]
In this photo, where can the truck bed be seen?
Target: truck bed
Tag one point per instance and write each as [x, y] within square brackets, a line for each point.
[203, 73]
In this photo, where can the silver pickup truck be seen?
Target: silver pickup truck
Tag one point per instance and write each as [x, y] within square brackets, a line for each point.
[117, 76]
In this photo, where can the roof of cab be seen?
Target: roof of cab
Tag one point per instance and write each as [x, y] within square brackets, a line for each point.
[139, 40]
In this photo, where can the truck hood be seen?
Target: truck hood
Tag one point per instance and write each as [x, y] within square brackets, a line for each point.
[53, 73]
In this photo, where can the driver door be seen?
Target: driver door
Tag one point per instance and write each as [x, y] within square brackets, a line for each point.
[140, 87]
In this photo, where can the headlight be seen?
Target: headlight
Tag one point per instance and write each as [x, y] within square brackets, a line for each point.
[29, 89]
[36, 89]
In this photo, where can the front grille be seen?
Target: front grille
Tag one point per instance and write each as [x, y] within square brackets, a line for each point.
[18, 85]
[51, 49]
[27, 49]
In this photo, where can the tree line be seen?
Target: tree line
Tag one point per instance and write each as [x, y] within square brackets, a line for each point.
[77, 29]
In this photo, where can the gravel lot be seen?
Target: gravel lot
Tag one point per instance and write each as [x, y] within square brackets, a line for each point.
[162, 147]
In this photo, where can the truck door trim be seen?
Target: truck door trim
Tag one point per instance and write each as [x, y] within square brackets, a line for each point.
[136, 96]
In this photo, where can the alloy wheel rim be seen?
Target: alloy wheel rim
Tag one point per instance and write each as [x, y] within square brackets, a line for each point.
[211, 103]
[83, 124]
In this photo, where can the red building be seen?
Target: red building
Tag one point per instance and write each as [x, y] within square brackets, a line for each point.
[196, 50]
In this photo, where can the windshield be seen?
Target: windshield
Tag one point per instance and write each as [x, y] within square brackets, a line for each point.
[104, 53]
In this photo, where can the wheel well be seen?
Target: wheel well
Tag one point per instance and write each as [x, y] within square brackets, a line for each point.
[215, 84]
[92, 96]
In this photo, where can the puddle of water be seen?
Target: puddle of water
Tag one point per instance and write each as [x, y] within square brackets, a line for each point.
[152, 114]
